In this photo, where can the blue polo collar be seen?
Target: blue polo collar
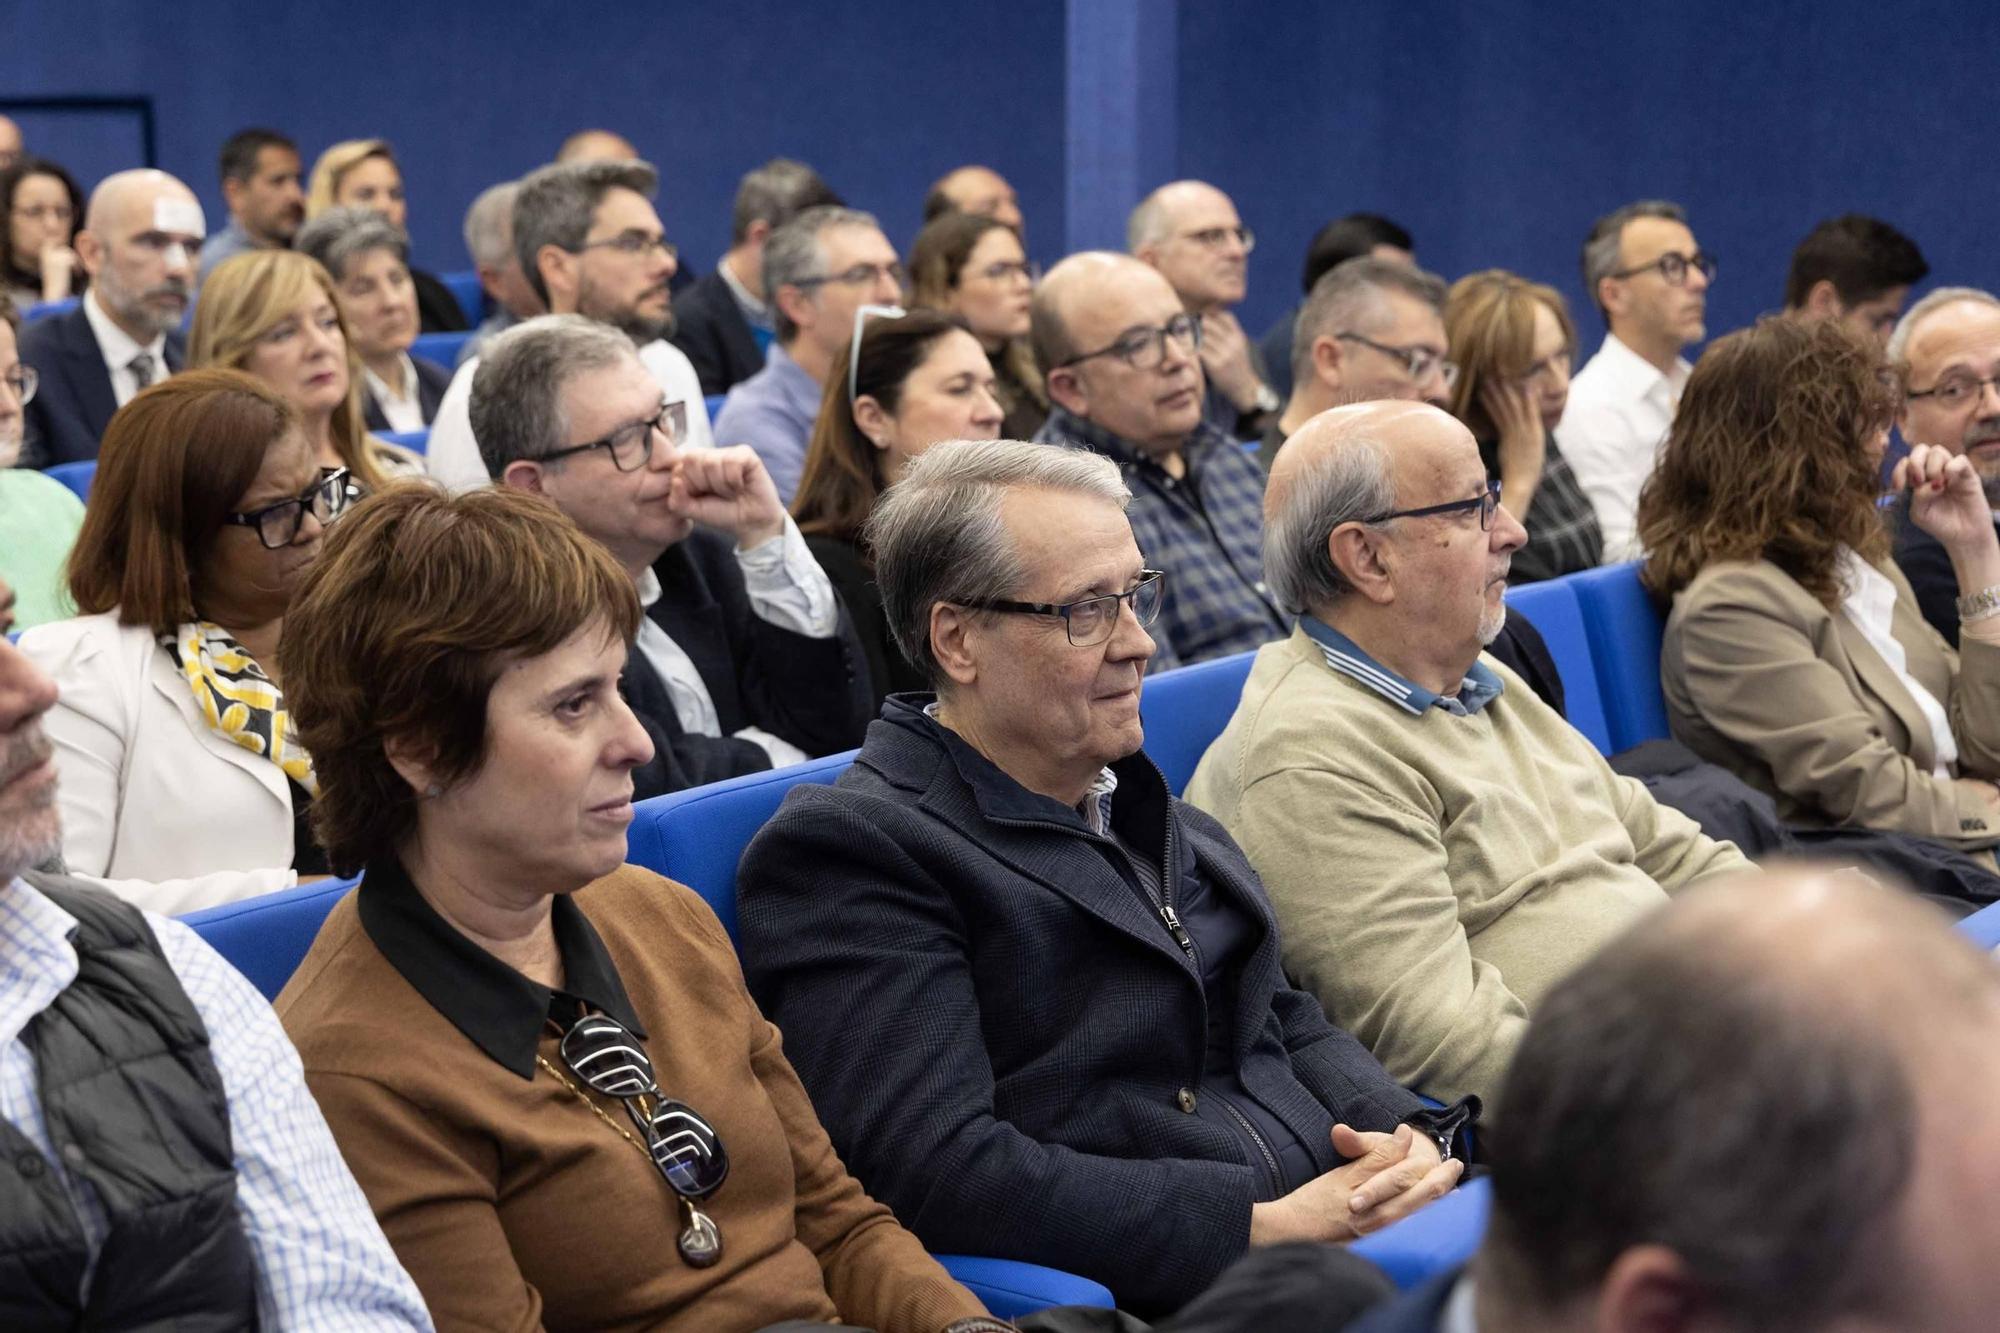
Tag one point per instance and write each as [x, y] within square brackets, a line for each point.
[1479, 688]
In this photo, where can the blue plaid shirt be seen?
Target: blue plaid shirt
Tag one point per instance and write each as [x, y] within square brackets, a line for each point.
[1206, 530]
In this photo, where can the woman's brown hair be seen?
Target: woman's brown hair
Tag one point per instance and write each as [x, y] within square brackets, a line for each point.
[1768, 458]
[937, 262]
[175, 462]
[418, 601]
[1489, 322]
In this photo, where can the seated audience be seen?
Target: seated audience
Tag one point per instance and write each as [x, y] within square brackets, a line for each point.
[39, 516]
[1037, 1001]
[166, 1162]
[973, 266]
[975, 189]
[1650, 282]
[260, 186]
[819, 268]
[1124, 380]
[1372, 329]
[1795, 655]
[597, 146]
[744, 660]
[1855, 269]
[1340, 240]
[914, 380]
[176, 753]
[276, 314]
[724, 320]
[1189, 231]
[1439, 845]
[362, 173]
[44, 208]
[1779, 1117]
[368, 257]
[1947, 352]
[489, 241]
[138, 245]
[543, 1064]
[1513, 343]
[589, 244]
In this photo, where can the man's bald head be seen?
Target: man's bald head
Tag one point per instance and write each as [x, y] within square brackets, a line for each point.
[1083, 277]
[1189, 231]
[597, 146]
[1119, 350]
[1161, 211]
[140, 236]
[128, 196]
[11, 144]
[974, 189]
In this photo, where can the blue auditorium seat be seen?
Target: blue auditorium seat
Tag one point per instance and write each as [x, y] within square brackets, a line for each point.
[1011, 1288]
[1185, 709]
[266, 937]
[465, 289]
[1984, 926]
[416, 441]
[1624, 629]
[442, 348]
[47, 309]
[713, 405]
[1553, 610]
[76, 476]
[1440, 1237]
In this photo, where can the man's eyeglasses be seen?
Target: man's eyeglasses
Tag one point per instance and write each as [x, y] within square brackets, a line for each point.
[1674, 267]
[1955, 390]
[1420, 362]
[859, 276]
[1144, 349]
[634, 243]
[1089, 621]
[631, 445]
[1214, 238]
[278, 524]
[1485, 503]
[23, 380]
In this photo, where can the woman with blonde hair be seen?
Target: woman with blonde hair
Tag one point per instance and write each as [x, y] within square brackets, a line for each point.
[363, 173]
[972, 266]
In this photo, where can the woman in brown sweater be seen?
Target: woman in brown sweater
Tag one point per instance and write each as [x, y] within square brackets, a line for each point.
[541, 1064]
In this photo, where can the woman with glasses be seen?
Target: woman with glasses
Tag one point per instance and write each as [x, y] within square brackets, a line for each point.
[42, 209]
[39, 516]
[363, 173]
[1513, 343]
[175, 750]
[973, 266]
[542, 1063]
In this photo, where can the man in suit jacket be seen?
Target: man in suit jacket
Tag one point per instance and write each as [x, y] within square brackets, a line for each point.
[746, 659]
[141, 235]
[1037, 1001]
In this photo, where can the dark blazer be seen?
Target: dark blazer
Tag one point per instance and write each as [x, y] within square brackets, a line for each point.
[437, 308]
[432, 380]
[1415, 1311]
[1924, 563]
[710, 329]
[70, 410]
[811, 692]
[999, 1034]
[889, 672]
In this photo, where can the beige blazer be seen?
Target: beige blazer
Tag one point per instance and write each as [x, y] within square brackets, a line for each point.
[1767, 682]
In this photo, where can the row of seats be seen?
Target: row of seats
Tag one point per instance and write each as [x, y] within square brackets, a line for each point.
[79, 476]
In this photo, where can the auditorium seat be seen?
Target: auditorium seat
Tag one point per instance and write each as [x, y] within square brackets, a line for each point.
[713, 404]
[76, 476]
[1185, 709]
[1553, 610]
[465, 289]
[1439, 1238]
[416, 441]
[1984, 926]
[442, 348]
[49, 309]
[1624, 630]
[266, 937]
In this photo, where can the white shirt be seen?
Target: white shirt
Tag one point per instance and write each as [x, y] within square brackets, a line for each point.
[118, 349]
[454, 454]
[1620, 407]
[1870, 606]
[1457, 1314]
[401, 407]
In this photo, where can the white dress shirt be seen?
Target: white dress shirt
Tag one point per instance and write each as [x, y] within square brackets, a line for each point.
[400, 405]
[1620, 407]
[1869, 604]
[118, 349]
[1457, 1315]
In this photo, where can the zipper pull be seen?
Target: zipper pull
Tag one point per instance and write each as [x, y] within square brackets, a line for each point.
[1176, 929]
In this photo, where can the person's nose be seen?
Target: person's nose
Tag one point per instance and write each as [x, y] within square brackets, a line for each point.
[1129, 639]
[888, 291]
[1507, 533]
[665, 451]
[320, 339]
[25, 692]
[630, 746]
[1697, 279]
[986, 409]
[669, 265]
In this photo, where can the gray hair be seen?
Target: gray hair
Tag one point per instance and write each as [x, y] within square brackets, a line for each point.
[938, 536]
[1600, 248]
[794, 256]
[776, 193]
[1899, 341]
[1348, 298]
[516, 406]
[555, 205]
[1351, 484]
[489, 225]
[341, 234]
[1147, 223]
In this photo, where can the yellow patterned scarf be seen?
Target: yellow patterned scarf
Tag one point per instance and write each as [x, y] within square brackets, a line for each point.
[240, 702]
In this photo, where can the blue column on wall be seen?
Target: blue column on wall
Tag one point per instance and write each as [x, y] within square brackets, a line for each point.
[1123, 61]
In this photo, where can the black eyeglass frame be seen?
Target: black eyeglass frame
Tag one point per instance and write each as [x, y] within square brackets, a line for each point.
[1156, 343]
[675, 411]
[1487, 503]
[1150, 580]
[335, 485]
[1437, 363]
[1974, 386]
[1673, 266]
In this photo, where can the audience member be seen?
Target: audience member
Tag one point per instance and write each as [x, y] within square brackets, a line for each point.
[1855, 269]
[911, 381]
[819, 268]
[276, 314]
[597, 146]
[973, 266]
[589, 244]
[11, 146]
[1189, 231]
[489, 240]
[1125, 380]
[39, 516]
[745, 660]
[1340, 240]
[724, 322]
[1372, 329]
[1036, 1000]
[368, 257]
[1513, 343]
[138, 245]
[260, 188]
[165, 1159]
[176, 753]
[975, 189]
[1795, 655]
[363, 173]
[1946, 352]
[44, 208]
[1438, 844]
[501, 983]
[1650, 282]
[1768, 1117]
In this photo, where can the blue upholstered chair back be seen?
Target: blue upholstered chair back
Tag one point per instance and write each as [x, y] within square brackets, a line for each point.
[1553, 610]
[1624, 629]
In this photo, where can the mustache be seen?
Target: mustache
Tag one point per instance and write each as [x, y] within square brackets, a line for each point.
[174, 287]
[29, 749]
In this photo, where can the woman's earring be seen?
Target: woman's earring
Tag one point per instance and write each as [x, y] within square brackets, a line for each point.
[433, 790]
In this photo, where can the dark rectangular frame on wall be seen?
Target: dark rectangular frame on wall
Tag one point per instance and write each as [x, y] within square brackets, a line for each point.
[140, 106]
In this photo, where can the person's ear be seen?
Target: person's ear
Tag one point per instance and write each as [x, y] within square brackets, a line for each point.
[1649, 1289]
[232, 190]
[560, 274]
[525, 474]
[756, 234]
[413, 766]
[1329, 360]
[797, 304]
[1823, 299]
[1359, 553]
[1068, 391]
[954, 635]
[1148, 254]
[877, 426]
[89, 251]
[1611, 294]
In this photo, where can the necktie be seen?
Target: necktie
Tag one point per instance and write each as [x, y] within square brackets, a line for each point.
[141, 367]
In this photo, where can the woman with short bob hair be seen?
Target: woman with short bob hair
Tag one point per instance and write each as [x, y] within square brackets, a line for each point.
[973, 266]
[1795, 654]
[364, 173]
[368, 258]
[457, 660]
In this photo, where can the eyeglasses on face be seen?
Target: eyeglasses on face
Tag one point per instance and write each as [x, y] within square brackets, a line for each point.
[23, 380]
[631, 445]
[1420, 362]
[1486, 503]
[1557, 362]
[1145, 349]
[1089, 621]
[278, 524]
[635, 243]
[44, 212]
[1956, 389]
[1674, 267]
[861, 275]
[1214, 238]
[1005, 270]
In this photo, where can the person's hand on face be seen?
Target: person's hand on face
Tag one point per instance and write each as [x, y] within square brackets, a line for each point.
[1225, 358]
[728, 490]
[1947, 499]
[1518, 417]
[58, 272]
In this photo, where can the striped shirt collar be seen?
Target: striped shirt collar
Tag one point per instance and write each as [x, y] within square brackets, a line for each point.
[1479, 688]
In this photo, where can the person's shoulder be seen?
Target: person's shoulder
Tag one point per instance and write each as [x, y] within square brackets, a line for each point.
[41, 494]
[45, 337]
[640, 912]
[431, 373]
[1740, 585]
[670, 366]
[81, 638]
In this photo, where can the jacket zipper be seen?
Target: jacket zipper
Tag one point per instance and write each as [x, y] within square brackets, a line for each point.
[1263, 1149]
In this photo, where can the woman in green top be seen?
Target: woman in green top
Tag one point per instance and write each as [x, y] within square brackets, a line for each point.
[39, 517]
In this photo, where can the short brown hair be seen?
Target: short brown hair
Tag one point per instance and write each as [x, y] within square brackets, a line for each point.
[1489, 322]
[417, 602]
[1768, 458]
[175, 462]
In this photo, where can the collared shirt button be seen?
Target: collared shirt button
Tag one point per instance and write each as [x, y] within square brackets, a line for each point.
[73, 1154]
[1186, 1100]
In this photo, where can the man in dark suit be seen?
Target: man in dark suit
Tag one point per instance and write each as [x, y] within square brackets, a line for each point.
[746, 659]
[139, 243]
[723, 322]
[1037, 1001]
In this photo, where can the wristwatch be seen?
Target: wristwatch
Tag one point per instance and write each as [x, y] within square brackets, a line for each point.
[1266, 400]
